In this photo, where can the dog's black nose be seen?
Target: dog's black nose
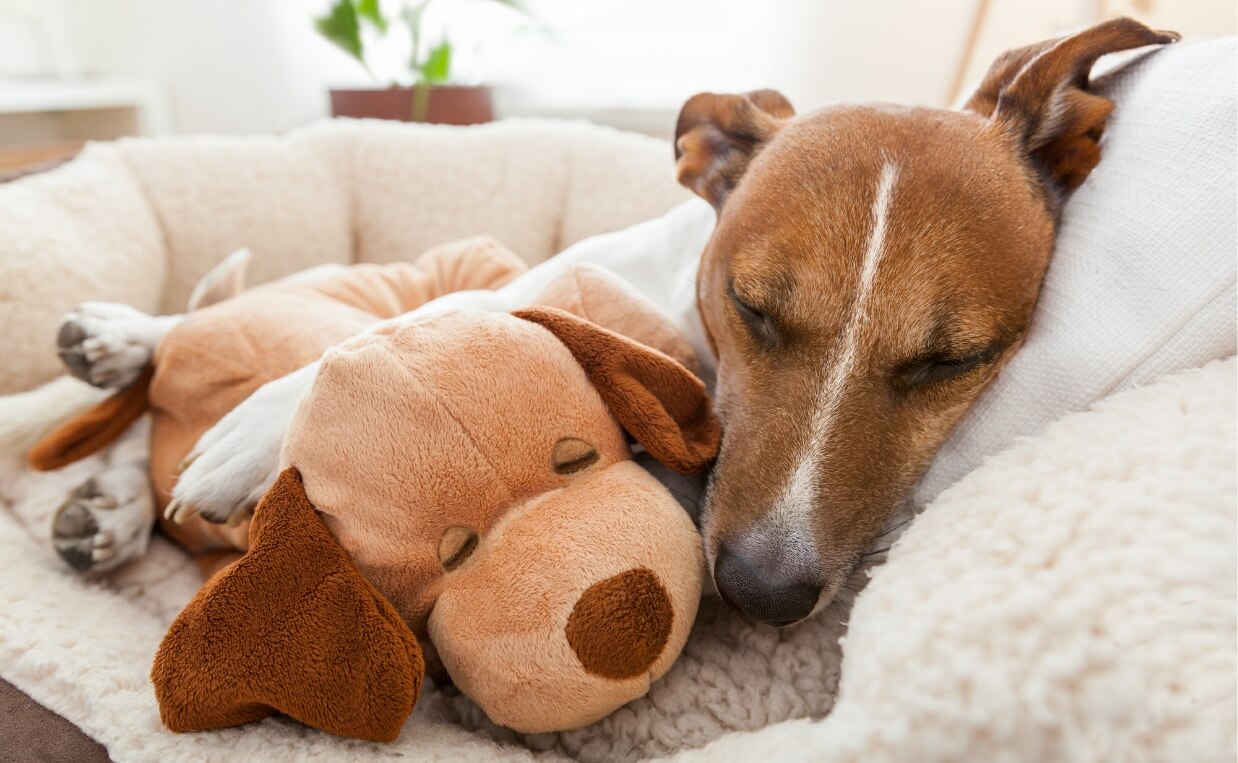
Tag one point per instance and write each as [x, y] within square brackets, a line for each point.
[762, 589]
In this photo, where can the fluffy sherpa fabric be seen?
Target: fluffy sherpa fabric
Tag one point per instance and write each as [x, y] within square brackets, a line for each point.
[140, 221]
[1073, 598]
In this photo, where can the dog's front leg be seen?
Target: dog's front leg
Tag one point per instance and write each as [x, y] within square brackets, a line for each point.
[107, 344]
[234, 462]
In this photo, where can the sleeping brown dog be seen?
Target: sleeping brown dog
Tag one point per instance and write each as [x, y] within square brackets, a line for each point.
[461, 485]
[872, 269]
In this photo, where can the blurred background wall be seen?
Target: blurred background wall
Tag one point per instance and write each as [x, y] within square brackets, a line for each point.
[242, 66]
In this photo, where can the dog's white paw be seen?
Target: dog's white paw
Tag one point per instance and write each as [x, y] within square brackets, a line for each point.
[108, 344]
[235, 461]
[106, 522]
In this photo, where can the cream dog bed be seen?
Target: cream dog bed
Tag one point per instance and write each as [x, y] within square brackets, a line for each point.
[1072, 598]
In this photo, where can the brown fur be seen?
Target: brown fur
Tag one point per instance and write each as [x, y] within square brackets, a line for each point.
[968, 236]
[1039, 93]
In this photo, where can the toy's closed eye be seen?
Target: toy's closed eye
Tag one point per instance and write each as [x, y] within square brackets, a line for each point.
[571, 455]
[456, 546]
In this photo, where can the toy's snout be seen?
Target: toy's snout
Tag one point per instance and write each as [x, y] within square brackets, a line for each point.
[619, 627]
[574, 603]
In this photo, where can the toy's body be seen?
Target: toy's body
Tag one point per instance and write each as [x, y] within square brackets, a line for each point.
[467, 477]
[219, 354]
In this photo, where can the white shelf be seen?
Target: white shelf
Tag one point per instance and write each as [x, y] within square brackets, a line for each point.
[85, 108]
[65, 95]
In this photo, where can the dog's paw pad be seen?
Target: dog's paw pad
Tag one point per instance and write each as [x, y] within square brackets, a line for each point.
[94, 532]
[73, 532]
[104, 344]
[71, 333]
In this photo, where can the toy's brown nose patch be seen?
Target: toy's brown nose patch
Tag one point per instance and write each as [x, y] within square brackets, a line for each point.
[620, 625]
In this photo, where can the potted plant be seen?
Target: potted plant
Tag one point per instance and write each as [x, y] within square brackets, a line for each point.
[422, 91]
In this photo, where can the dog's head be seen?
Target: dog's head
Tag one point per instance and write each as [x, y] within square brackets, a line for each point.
[872, 269]
[470, 476]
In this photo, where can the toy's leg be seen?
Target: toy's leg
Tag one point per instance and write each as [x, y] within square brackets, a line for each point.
[108, 344]
[107, 520]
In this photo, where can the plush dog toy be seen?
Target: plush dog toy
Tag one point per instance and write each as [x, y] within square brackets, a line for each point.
[458, 492]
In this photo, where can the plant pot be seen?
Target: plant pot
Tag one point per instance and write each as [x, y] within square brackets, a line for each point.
[447, 104]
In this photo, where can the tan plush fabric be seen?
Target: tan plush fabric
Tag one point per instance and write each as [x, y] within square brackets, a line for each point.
[412, 431]
[666, 410]
[140, 221]
[218, 356]
[559, 549]
[475, 469]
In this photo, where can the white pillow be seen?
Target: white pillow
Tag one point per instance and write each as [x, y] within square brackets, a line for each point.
[1142, 281]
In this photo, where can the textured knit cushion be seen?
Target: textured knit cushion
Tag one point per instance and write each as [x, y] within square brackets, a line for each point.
[1142, 281]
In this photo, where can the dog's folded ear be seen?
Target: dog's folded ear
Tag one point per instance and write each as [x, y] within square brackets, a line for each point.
[658, 401]
[1039, 97]
[716, 137]
[292, 627]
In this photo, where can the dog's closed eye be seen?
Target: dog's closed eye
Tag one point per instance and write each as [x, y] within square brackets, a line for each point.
[938, 367]
[759, 324]
[571, 455]
[925, 372]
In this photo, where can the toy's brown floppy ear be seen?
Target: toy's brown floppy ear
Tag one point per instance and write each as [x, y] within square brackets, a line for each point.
[658, 401]
[598, 295]
[716, 137]
[1039, 96]
[292, 627]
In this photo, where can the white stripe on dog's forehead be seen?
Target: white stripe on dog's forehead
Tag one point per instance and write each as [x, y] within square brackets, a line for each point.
[793, 511]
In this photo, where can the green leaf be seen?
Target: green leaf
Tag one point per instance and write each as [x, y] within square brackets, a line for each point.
[437, 67]
[373, 13]
[340, 27]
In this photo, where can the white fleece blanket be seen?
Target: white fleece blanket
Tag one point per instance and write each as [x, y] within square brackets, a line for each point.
[1072, 599]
